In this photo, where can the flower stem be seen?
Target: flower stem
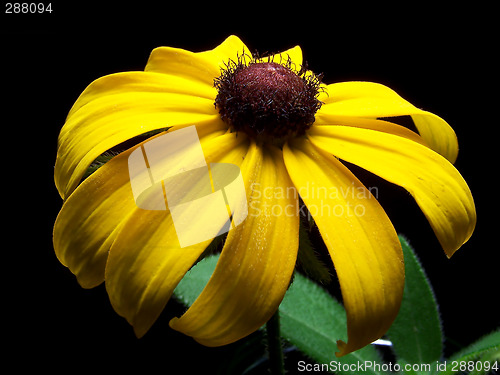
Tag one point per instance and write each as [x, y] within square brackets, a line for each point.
[274, 347]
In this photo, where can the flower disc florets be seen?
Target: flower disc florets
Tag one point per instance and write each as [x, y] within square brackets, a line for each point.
[266, 99]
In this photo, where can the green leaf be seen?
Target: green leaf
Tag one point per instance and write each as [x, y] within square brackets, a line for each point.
[416, 333]
[312, 320]
[194, 281]
[490, 342]
[486, 351]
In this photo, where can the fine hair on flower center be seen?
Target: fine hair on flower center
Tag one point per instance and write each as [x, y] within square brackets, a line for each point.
[266, 99]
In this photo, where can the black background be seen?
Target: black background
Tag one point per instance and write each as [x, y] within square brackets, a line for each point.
[441, 60]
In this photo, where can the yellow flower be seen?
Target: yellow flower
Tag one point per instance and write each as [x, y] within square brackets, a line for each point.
[288, 133]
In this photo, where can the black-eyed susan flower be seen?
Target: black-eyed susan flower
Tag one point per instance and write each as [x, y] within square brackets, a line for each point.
[289, 134]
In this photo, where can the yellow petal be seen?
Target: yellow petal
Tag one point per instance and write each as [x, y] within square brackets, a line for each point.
[367, 123]
[118, 107]
[438, 188]
[372, 100]
[131, 82]
[92, 216]
[360, 238]
[198, 66]
[90, 220]
[294, 54]
[257, 262]
[144, 265]
[146, 261]
[229, 49]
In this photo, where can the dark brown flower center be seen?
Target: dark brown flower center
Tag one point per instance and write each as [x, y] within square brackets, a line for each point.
[267, 100]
